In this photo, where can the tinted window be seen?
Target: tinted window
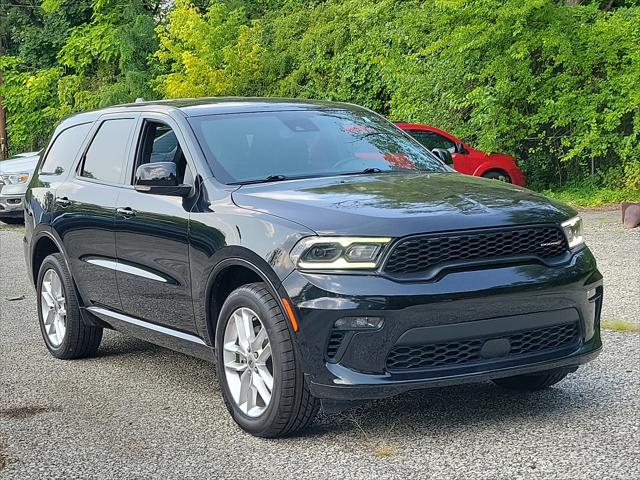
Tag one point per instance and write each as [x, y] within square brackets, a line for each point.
[106, 156]
[253, 146]
[158, 143]
[64, 149]
[432, 140]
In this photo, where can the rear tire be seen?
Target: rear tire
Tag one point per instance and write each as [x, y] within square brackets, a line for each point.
[497, 175]
[65, 333]
[533, 382]
[290, 406]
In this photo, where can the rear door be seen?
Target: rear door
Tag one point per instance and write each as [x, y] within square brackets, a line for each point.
[85, 209]
[152, 233]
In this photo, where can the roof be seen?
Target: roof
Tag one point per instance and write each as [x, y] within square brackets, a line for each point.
[194, 107]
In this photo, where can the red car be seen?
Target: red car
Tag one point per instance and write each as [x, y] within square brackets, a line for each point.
[498, 166]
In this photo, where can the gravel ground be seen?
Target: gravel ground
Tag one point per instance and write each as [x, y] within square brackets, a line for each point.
[140, 411]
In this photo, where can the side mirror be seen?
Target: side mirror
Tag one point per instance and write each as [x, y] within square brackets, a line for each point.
[160, 178]
[460, 148]
[444, 155]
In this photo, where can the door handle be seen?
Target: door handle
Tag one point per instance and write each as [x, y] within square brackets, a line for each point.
[126, 212]
[63, 202]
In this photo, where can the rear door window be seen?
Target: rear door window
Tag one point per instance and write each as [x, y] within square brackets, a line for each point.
[64, 149]
[107, 155]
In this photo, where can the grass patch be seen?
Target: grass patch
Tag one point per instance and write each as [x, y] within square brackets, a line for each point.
[384, 450]
[592, 196]
[620, 326]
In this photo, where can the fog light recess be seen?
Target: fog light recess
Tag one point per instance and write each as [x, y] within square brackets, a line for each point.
[358, 323]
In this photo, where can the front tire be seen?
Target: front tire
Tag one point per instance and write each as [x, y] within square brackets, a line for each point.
[533, 382]
[65, 333]
[258, 367]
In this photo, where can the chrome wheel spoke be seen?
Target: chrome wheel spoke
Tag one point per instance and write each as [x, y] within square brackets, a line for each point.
[258, 341]
[233, 348]
[245, 387]
[263, 390]
[236, 366]
[48, 299]
[265, 376]
[50, 317]
[242, 330]
[265, 354]
[252, 405]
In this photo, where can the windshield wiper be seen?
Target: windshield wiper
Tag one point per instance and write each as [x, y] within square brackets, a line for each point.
[365, 171]
[379, 170]
[270, 178]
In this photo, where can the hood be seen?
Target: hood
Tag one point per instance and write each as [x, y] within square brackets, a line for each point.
[19, 164]
[400, 204]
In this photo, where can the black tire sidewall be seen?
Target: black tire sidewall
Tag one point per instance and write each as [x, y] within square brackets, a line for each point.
[496, 176]
[56, 263]
[245, 297]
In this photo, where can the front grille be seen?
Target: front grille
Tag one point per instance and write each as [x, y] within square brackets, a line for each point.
[421, 253]
[467, 352]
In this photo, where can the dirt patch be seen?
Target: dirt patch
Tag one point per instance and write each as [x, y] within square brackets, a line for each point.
[21, 413]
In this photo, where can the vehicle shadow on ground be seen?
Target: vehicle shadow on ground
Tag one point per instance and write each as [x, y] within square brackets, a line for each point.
[447, 410]
[115, 344]
[441, 411]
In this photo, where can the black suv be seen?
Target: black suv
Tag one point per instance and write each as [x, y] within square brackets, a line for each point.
[313, 250]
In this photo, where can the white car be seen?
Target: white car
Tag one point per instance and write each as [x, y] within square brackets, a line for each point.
[15, 174]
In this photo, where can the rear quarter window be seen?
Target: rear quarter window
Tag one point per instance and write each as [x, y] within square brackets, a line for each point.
[64, 149]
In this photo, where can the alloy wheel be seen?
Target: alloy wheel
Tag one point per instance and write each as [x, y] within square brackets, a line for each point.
[247, 360]
[54, 307]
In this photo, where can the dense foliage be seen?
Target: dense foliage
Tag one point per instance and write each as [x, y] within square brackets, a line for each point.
[556, 83]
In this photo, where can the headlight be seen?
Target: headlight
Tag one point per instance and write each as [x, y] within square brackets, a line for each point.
[14, 178]
[338, 253]
[573, 231]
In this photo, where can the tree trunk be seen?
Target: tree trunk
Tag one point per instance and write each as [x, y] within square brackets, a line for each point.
[4, 139]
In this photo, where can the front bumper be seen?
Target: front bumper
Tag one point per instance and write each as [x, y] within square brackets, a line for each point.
[11, 206]
[457, 308]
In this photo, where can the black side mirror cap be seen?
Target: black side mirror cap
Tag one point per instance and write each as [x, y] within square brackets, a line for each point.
[444, 155]
[460, 148]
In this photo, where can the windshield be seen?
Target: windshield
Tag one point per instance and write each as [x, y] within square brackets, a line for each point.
[268, 146]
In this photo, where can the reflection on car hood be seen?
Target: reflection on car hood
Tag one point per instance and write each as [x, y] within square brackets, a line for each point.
[400, 204]
[19, 164]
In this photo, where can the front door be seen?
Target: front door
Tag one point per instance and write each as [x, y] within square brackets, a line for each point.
[152, 235]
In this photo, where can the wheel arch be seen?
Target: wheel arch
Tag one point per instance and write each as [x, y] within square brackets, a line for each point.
[239, 266]
[44, 244]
